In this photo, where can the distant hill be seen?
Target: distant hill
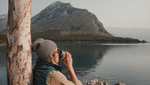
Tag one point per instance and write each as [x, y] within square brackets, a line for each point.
[138, 33]
[67, 20]
[3, 22]
[63, 23]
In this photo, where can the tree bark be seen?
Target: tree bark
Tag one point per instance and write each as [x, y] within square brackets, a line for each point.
[19, 60]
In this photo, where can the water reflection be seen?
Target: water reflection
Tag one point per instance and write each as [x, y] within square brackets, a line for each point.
[2, 56]
[3, 65]
[127, 63]
[123, 63]
[85, 56]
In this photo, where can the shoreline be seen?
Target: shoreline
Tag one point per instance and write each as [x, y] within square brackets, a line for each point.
[68, 42]
[104, 42]
[82, 72]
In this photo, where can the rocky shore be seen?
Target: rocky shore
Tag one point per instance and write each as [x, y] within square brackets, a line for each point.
[94, 81]
[83, 72]
[98, 82]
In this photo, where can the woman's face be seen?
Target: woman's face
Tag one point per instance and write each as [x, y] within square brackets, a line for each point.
[56, 56]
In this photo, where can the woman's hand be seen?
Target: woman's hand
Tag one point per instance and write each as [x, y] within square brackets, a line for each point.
[68, 60]
[68, 63]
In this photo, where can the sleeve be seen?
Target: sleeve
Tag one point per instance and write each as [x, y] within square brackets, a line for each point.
[57, 78]
[76, 81]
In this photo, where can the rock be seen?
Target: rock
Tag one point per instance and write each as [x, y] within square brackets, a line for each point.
[98, 82]
[95, 82]
[81, 72]
[119, 83]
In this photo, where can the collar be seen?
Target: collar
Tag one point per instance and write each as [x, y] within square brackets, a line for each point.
[39, 63]
[59, 68]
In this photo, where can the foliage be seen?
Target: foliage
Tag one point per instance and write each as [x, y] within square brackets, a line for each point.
[77, 37]
[80, 37]
[2, 38]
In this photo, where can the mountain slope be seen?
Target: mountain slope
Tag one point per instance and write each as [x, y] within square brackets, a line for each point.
[3, 22]
[67, 20]
[63, 23]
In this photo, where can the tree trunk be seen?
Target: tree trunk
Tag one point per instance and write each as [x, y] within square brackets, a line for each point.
[19, 60]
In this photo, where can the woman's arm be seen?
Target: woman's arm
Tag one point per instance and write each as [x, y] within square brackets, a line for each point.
[68, 63]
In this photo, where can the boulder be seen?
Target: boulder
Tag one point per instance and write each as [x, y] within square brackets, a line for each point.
[95, 82]
[98, 82]
[119, 83]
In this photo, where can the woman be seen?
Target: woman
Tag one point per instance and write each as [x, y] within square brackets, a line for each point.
[46, 71]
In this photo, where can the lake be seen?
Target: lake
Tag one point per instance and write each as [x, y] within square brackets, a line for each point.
[112, 63]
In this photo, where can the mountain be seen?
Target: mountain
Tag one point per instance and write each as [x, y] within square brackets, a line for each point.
[3, 22]
[62, 22]
[67, 20]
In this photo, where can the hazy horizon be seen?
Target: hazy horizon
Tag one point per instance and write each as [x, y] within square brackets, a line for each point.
[121, 18]
[116, 13]
[136, 33]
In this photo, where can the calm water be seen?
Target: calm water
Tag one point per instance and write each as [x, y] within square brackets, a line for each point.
[127, 63]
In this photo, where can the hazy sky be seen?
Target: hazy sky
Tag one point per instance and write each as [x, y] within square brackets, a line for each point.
[112, 13]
